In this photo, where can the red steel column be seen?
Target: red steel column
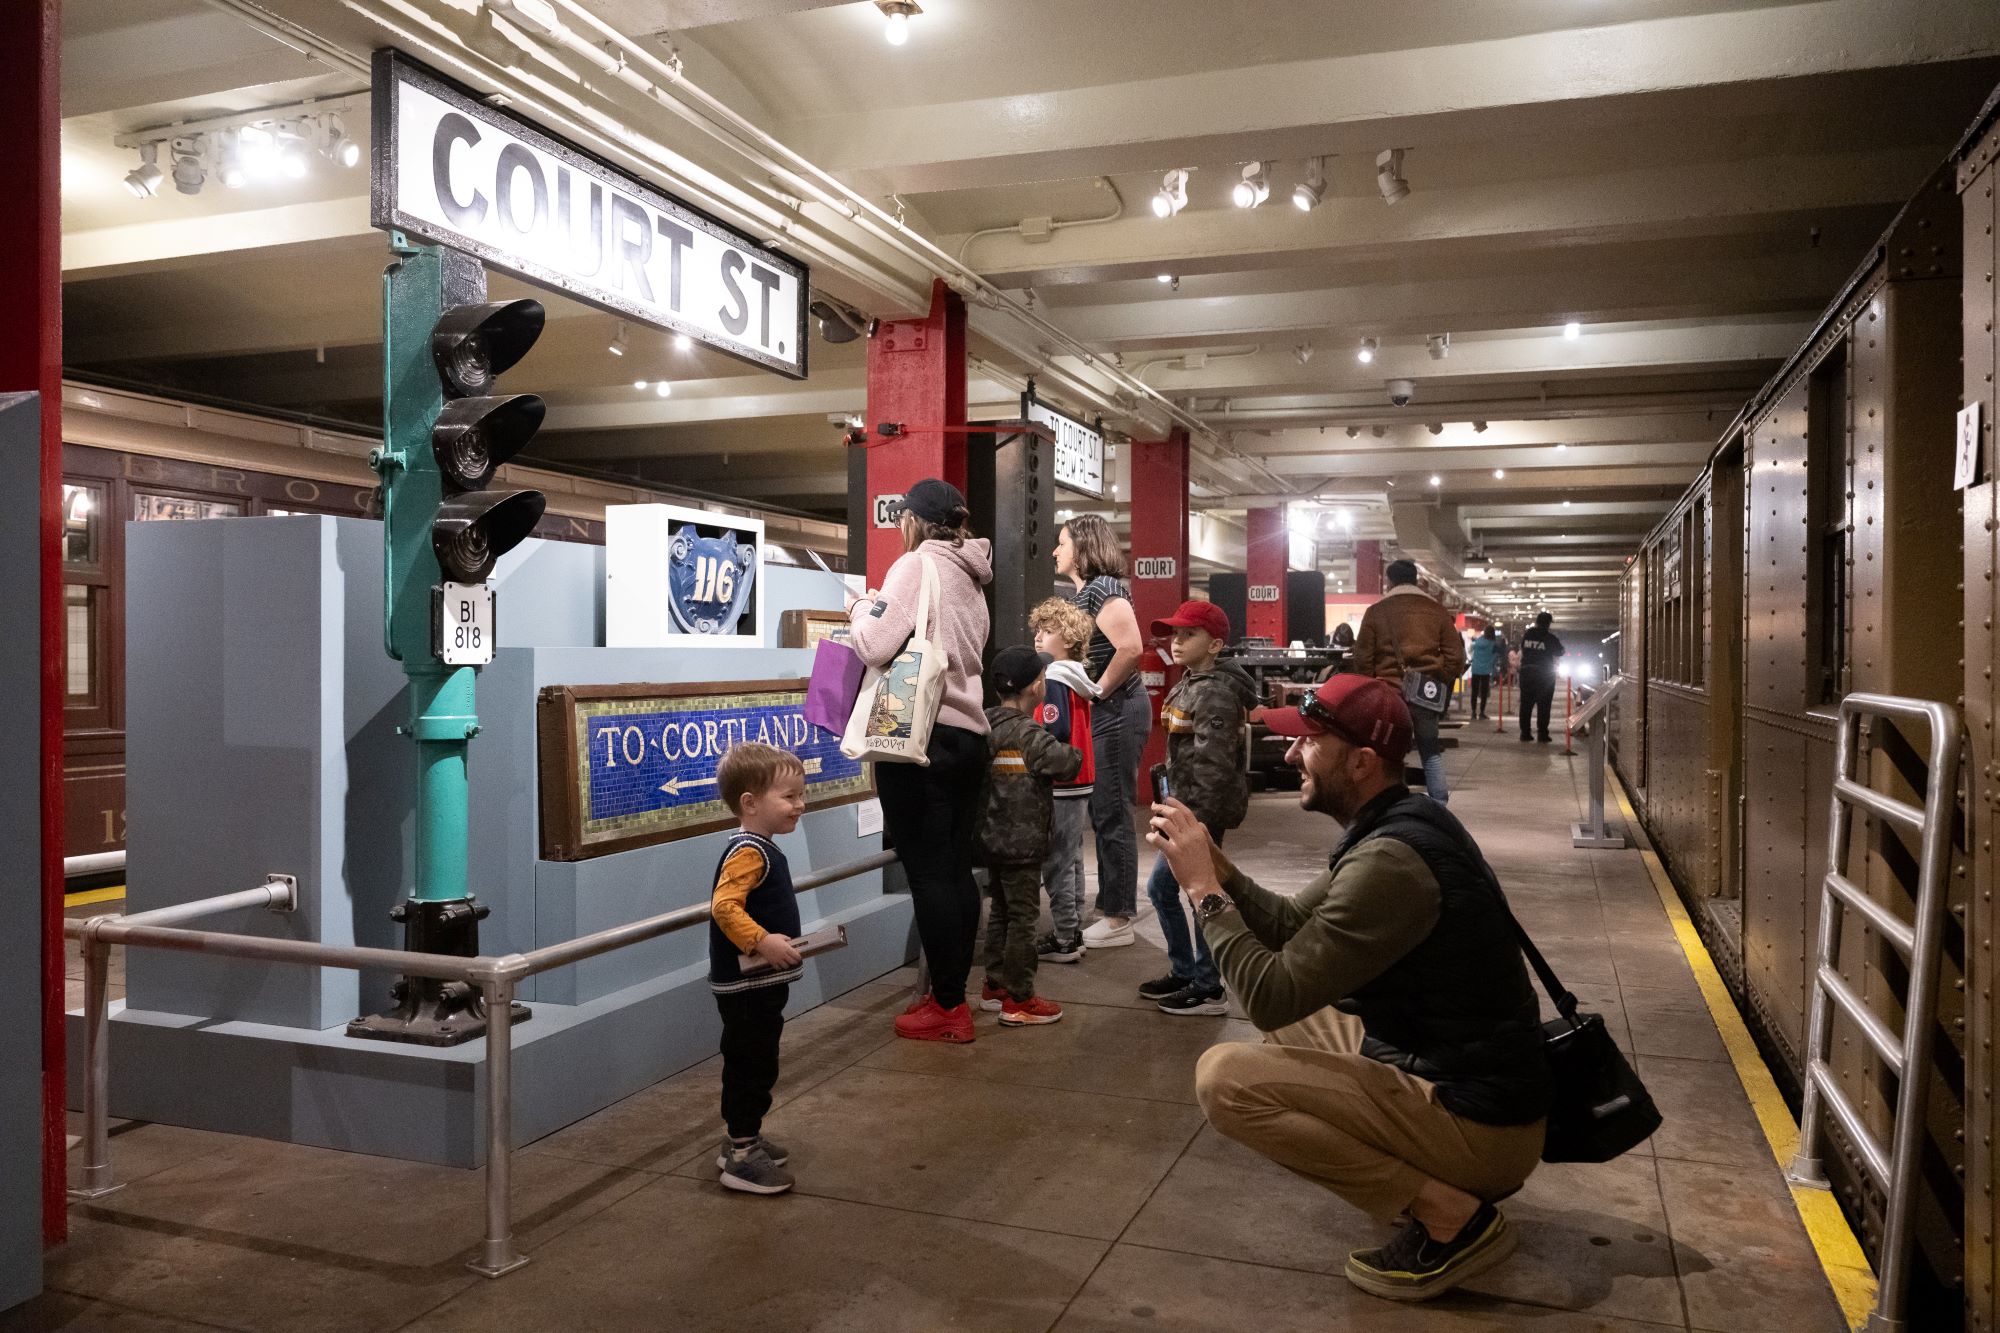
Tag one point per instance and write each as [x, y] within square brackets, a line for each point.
[1159, 564]
[1368, 568]
[916, 377]
[31, 360]
[1267, 553]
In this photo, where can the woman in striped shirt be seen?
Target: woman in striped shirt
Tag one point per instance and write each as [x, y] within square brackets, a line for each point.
[1089, 556]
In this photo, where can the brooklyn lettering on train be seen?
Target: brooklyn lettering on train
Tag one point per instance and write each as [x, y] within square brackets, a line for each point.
[453, 170]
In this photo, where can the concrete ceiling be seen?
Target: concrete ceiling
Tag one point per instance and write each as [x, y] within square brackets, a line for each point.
[1687, 180]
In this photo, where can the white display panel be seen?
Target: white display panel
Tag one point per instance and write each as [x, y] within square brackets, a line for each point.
[668, 569]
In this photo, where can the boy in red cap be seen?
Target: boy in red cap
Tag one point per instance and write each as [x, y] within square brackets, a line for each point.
[1203, 717]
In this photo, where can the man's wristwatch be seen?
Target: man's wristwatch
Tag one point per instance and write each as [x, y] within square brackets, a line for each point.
[1212, 906]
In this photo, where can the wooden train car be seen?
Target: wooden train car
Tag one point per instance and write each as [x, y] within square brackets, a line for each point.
[1817, 555]
[135, 458]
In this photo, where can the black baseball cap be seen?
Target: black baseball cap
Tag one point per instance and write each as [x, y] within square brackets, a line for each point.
[1015, 669]
[936, 501]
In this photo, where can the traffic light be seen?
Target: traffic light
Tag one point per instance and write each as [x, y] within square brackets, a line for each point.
[475, 433]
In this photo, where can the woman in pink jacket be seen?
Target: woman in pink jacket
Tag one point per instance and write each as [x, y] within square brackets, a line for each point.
[929, 810]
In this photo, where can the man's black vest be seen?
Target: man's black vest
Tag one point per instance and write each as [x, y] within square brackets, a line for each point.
[1457, 1010]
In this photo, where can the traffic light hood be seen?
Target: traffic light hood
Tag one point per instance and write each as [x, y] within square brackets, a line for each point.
[472, 531]
[473, 345]
[474, 436]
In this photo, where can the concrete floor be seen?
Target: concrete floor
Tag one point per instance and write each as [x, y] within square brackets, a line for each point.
[1045, 1178]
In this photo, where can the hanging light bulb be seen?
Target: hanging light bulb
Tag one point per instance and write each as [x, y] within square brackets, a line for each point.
[897, 14]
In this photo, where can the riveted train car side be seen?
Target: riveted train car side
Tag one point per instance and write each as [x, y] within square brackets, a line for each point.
[1818, 555]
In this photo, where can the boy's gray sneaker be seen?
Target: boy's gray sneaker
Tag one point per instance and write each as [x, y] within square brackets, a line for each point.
[777, 1152]
[752, 1171]
[1054, 948]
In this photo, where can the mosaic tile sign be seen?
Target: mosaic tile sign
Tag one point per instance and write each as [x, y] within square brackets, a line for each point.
[625, 766]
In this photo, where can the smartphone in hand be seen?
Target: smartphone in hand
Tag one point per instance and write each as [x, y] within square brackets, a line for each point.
[1161, 790]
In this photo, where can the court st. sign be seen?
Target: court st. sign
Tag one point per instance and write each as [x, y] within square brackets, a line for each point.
[624, 766]
[453, 170]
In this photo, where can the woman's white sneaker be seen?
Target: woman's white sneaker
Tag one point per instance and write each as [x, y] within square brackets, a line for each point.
[1104, 933]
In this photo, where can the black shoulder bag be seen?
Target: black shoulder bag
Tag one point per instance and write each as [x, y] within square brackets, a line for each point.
[1600, 1109]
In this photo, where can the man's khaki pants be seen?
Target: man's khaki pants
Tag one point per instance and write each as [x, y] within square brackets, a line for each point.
[1311, 1102]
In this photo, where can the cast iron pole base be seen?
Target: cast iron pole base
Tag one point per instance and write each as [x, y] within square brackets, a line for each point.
[430, 1012]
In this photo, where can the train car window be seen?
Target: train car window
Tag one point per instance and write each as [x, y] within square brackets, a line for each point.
[82, 635]
[82, 524]
[1827, 524]
[150, 506]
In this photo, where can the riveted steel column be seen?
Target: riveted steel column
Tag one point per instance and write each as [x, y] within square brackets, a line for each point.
[916, 378]
[1267, 555]
[1159, 470]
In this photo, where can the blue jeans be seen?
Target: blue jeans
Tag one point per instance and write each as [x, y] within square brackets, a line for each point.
[1118, 729]
[1063, 871]
[1431, 750]
[1189, 958]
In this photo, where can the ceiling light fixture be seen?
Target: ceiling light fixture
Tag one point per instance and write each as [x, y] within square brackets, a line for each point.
[683, 343]
[1164, 278]
[1303, 351]
[1254, 188]
[897, 14]
[663, 389]
[1389, 175]
[1479, 428]
[1561, 447]
[1436, 480]
[290, 145]
[1435, 428]
[144, 180]
[229, 154]
[1308, 192]
[840, 324]
[639, 384]
[190, 171]
[1565, 504]
[618, 344]
[1353, 431]
[1499, 474]
[1366, 352]
[1377, 431]
[1572, 330]
[1172, 197]
[1438, 345]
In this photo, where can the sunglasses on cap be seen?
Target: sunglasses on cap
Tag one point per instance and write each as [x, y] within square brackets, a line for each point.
[1311, 708]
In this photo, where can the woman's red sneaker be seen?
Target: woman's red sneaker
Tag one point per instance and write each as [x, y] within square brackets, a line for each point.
[1021, 1013]
[934, 1023]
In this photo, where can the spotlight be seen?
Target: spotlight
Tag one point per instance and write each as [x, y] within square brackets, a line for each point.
[898, 14]
[1304, 352]
[1389, 175]
[144, 180]
[189, 169]
[229, 160]
[1308, 192]
[1561, 447]
[290, 145]
[1438, 345]
[1479, 428]
[1164, 278]
[1565, 504]
[663, 389]
[335, 144]
[1172, 197]
[1572, 330]
[1436, 480]
[618, 344]
[1366, 352]
[1435, 427]
[1353, 432]
[639, 384]
[1499, 474]
[1377, 431]
[257, 151]
[683, 343]
[1254, 188]
[839, 324]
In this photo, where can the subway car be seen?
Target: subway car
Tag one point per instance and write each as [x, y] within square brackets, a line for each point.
[132, 457]
[1837, 542]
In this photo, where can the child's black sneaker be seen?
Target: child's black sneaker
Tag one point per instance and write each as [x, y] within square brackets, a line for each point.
[1161, 987]
[1188, 1000]
[1055, 949]
[1413, 1267]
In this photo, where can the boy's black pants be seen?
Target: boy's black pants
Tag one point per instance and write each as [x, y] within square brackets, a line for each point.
[753, 1022]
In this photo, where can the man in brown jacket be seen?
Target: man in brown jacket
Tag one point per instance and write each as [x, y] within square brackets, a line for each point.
[1407, 632]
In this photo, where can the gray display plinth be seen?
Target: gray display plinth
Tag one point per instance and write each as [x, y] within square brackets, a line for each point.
[263, 714]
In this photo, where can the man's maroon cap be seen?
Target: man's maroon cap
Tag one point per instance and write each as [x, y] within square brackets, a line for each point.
[1195, 615]
[1361, 710]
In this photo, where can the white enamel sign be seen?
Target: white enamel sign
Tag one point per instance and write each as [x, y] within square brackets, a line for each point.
[450, 169]
[1262, 592]
[1155, 567]
[1966, 470]
[1079, 449]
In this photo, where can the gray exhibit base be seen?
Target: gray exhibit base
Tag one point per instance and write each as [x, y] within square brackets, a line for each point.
[424, 1103]
[302, 773]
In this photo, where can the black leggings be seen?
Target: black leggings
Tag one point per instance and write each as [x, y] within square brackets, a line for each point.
[930, 815]
[753, 1023]
[1482, 687]
[1538, 694]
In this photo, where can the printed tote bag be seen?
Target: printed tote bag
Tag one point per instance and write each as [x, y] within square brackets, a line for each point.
[898, 703]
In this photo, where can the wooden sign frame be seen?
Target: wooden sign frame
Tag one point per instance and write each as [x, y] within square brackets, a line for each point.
[804, 629]
[563, 775]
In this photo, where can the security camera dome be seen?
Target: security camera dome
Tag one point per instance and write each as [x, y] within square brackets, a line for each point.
[1402, 391]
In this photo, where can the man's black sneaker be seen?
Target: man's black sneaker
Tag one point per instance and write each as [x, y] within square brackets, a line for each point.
[1192, 1001]
[1413, 1267]
[1161, 987]
[1526, 739]
[1545, 739]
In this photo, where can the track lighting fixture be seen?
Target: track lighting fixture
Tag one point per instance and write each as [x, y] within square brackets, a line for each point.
[1254, 188]
[683, 343]
[144, 180]
[1479, 428]
[1366, 352]
[663, 389]
[1304, 352]
[839, 323]
[1435, 427]
[1389, 175]
[1308, 192]
[1164, 278]
[1353, 432]
[1438, 345]
[897, 14]
[639, 384]
[190, 172]
[1172, 197]
[618, 344]
[1499, 474]
[1572, 330]
[1436, 480]
[1377, 431]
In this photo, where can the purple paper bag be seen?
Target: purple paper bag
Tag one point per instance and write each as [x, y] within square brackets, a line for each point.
[835, 684]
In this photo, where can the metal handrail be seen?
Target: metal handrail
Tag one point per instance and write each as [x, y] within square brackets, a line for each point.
[1894, 1169]
[496, 977]
[1593, 831]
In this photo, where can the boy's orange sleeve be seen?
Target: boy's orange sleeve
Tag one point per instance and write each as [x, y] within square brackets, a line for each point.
[742, 872]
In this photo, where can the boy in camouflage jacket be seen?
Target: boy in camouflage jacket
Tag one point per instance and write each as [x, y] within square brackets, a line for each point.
[1014, 832]
[1203, 717]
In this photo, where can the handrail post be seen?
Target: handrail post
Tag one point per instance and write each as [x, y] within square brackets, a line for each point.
[497, 1255]
[97, 1178]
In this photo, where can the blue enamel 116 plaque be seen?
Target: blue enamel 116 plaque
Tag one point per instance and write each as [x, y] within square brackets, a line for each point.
[623, 766]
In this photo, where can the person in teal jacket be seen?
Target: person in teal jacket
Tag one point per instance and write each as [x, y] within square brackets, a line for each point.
[1485, 652]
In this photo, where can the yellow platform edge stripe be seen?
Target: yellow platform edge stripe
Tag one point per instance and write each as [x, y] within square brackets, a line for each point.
[1840, 1256]
[116, 893]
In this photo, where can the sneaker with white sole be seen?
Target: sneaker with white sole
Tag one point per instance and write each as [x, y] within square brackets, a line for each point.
[1192, 1001]
[1413, 1267]
[1103, 934]
[991, 997]
[751, 1171]
[1159, 988]
[777, 1152]
[1055, 949]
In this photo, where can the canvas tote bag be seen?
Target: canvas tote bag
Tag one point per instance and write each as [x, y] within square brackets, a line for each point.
[898, 703]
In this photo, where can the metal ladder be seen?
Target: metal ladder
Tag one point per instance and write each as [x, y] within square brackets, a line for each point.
[1907, 1055]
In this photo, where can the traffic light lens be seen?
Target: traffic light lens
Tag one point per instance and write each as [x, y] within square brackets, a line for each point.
[466, 366]
[473, 345]
[474, 530]
[474, 436]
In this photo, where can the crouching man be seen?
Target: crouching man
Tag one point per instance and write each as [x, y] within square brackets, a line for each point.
[1402, 1065]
